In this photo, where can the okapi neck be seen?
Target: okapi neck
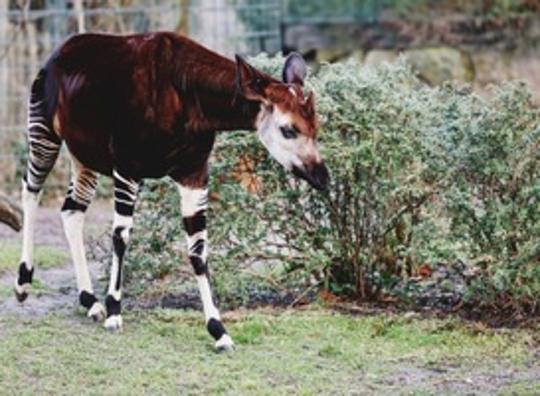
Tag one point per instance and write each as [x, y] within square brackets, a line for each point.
[225, 112]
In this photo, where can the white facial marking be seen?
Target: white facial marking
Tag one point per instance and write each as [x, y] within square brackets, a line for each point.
[292, 91]
[288, 152]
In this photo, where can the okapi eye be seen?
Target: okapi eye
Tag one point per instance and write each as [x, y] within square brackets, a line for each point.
[289, 132]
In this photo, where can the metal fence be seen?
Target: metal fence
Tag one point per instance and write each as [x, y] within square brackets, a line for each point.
[31, 29]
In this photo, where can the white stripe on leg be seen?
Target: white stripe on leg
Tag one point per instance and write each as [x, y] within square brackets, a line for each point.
[73, 227]
[193, 200]
[126, 223]
[30, 202]
[210, 310]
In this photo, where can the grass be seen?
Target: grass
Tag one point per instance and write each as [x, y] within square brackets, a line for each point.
[306, 352]
[44, 256]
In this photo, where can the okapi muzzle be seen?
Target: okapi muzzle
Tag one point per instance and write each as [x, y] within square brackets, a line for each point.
[315, 174]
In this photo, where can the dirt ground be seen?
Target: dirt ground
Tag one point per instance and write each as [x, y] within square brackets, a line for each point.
[59, 290]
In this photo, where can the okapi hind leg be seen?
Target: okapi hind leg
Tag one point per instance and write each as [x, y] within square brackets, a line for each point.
[125, 196]
[194, 206]
[43, 148]
[30, 203]
[80, 193]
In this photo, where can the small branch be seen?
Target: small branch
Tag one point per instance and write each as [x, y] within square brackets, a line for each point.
[405, 209]
[303, 294]
[10, 213]
[268, 279]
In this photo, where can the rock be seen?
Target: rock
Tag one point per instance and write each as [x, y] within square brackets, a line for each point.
[443, 290]
[493, 66]
[357, 55]
[331, 54]
[376, 57]
[440, 64]
[433, 65]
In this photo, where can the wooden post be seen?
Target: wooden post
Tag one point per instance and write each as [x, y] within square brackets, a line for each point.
[183, 23]
[4, 24]
[79, 9]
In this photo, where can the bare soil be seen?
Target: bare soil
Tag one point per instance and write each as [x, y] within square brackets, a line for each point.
[57, 288]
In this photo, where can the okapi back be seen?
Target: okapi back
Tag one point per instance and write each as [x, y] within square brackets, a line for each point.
[150, 104]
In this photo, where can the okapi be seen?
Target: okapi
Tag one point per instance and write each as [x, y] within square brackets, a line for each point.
[149, 106]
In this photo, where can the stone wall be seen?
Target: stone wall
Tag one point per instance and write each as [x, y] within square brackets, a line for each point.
[476, 51]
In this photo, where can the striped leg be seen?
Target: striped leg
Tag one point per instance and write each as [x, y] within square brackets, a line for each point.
[125, 196]
[80, 193]
[43, 149]
[194, 205]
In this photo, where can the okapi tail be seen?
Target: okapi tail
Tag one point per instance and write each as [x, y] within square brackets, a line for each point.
[43, 143]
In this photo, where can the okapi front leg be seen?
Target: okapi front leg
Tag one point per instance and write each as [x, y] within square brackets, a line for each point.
[194, 205]
[125, 196]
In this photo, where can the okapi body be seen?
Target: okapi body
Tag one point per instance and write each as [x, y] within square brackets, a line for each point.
[149, 106]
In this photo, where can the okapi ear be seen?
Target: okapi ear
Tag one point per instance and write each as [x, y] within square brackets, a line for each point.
[250, 82]
[310, 103]
[295, 69]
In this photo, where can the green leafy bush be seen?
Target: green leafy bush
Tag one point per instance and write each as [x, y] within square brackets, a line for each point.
[494, 201]
[420, 175]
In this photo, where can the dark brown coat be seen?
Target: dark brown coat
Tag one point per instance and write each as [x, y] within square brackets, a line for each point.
[147, 104]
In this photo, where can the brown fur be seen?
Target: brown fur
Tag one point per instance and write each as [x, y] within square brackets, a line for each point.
[150, 104]
[147, 104]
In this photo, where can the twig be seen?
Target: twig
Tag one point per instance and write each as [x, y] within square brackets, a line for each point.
[268, 279]
[303, 294]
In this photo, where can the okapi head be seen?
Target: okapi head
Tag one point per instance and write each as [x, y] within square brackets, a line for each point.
[287, 123]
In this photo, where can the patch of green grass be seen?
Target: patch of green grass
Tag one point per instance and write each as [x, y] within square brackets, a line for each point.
[311, 352]
[521, 388]
[44, 256]
[38, 289]
[5, 291]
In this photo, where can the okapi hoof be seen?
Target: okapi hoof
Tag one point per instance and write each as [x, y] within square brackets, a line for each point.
[97, 312]
[23, 283]
[22, 291]
[224, 344]
[113, 323]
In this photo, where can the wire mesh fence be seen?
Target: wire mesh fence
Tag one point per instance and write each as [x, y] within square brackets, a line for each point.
[30, 30]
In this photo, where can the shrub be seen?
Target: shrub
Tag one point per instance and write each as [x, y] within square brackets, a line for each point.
[419, 175]
[495, 199]
[383, 174]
